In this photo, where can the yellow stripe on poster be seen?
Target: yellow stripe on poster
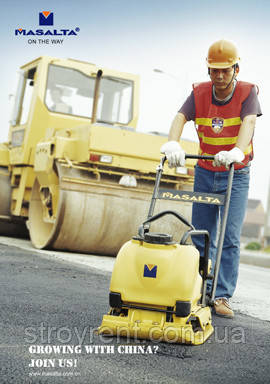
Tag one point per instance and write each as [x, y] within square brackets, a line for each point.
[203, 121]
[226, 122]
[246, 152]
[219, 140]
[232, 121]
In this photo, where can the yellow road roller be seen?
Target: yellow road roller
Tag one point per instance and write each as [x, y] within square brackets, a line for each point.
[158, 285]
[74, 165]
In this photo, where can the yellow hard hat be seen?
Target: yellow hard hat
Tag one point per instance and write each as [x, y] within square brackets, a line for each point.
[222, 54]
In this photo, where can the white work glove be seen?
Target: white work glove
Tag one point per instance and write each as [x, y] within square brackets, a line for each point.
[225, 158]
[174, 153]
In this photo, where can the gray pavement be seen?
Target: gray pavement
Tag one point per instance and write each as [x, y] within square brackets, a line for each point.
[257, 258]
[252, 292]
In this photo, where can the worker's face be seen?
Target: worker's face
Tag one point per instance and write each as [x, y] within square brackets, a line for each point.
[222, 77]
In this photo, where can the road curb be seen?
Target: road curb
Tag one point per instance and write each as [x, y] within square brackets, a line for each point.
[105, 263]
[258, 259]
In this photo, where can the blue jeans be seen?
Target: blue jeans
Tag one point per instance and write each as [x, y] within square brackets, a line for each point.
[206, 216]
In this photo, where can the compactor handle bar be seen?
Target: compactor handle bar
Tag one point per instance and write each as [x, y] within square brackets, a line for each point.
[159, 174]
[143, 228]
[199, 157]
[222, 225]
[187, 156]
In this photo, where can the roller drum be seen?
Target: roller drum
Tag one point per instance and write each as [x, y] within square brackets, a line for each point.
[95, 217]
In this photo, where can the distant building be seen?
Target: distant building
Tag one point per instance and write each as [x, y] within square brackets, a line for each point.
[254, 222]
[267, 220]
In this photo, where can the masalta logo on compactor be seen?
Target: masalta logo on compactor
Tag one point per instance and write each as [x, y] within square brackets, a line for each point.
[46, 18]
[150, 270]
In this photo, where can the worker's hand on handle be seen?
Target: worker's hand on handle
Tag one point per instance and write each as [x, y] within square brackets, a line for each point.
[174, 153]
[225, 158]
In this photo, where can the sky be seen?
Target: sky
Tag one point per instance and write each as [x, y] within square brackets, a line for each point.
[139, 36]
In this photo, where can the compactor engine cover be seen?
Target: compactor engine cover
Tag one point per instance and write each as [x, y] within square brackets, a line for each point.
[155, 293]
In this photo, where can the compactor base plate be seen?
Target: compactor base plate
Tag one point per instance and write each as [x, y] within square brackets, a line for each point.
[141, 324]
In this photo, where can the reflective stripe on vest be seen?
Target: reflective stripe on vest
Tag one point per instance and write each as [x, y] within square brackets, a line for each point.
[218, 125]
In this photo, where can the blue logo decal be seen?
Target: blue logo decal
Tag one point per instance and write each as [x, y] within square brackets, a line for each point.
[150, 270]
[45, 18]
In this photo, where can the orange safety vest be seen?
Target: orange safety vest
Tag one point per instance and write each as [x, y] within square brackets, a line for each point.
[218, 125]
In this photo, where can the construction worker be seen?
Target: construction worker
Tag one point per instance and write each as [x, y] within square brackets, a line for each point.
[58, 104]
[225, 112]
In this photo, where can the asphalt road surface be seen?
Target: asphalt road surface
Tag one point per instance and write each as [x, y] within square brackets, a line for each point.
[48, 316]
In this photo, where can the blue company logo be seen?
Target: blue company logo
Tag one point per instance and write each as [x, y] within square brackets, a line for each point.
[150, 270]
[45, 18]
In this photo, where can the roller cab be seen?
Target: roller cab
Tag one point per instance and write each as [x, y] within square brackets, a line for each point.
[74, 164]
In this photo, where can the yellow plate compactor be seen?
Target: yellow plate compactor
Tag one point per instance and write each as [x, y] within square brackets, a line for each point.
[158, 286]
